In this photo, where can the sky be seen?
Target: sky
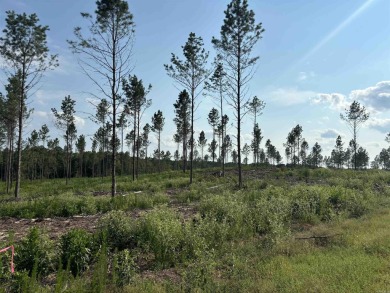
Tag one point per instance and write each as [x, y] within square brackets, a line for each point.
[316, 57]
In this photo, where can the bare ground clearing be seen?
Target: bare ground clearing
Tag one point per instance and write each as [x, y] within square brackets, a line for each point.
[57, 226]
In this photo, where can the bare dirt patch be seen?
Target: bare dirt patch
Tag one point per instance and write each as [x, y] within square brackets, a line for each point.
[55, 227]
[163, 275]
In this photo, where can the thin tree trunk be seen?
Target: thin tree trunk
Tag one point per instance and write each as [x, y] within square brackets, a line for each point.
[239, 114]
[184, 152]
[223, 151]
[70, 162]
[113, 157]
[81, 166]
[134, 143]
[159, 152]
[202, 156]
[192, 134]
[138, 145]
[122, 165]
[103, 170]
[9, 165]
[146, 159]
[20, 131]
[113, 94]
[354, 143]
[67, 162]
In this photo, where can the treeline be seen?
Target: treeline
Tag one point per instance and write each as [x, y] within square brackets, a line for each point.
[52, 162]
[45, 158]
[104, 51]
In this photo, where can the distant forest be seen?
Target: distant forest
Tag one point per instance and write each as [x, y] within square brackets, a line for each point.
[121, 143]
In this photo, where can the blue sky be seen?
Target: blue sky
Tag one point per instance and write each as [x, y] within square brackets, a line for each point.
[315, 58]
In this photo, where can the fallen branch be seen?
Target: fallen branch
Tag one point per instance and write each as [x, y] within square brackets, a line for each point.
[213, 187]
[317, 237]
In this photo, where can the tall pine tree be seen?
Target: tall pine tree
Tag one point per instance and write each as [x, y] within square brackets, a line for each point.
[239, 35]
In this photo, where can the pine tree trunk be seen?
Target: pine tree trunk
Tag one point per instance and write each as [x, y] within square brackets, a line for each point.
[113, 157]
[134, 143]
[239, 114]
[184, 153]
[159, 152]
[20, 131]
[138, 144]
[223, 147]
[192, 134]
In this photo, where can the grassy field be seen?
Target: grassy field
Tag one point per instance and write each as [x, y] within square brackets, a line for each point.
[287, 230]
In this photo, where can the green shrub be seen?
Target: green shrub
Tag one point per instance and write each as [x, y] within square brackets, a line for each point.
[230, 210]
[358, 205]
[162, 232]
[198, 277]
[100, 272]
[269, 211]
[36, 249]
[123, 268]
[206, 234]
[278, 216]
[310, 204]
[118, 228]
[353, 202]
[5, 260]
[76, 252]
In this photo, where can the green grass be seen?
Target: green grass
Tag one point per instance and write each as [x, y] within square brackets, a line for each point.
[355, 261]
[234, 240]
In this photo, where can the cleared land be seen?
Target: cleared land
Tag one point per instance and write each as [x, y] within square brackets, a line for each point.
[288, 230]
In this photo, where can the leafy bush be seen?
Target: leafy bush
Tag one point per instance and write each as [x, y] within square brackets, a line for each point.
[205, 234]
[230, 210]
[123, 268]
[67, 205]
[162, 232]
[358, 204]
[5, 260]
[271, 215]
[35, 250]
[76, 252]
[198, 277]
[118, 228]
[310, 204]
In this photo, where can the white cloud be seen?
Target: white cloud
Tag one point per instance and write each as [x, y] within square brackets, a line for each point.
[3, 64]
[329, 133]
[382, 125]
[326, 138]
[93, 101]
[336, 101]
[247, 137]
[44, 96]
[374, 144]
[166, 142]
[376, 97]
[291, 96]
[42, 114]
[80, 122]
[67, 66]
